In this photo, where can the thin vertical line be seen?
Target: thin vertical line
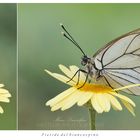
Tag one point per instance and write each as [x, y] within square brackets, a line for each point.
[17, 103]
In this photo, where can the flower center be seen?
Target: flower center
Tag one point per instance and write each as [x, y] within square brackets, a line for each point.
[96, 88]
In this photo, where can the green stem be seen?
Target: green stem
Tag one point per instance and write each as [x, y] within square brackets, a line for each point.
[92, 114]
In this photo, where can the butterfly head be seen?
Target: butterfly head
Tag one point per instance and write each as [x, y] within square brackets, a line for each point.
[85, 60]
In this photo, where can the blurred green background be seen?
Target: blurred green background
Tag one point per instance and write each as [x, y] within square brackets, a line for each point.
[42, 46]
[8, 63]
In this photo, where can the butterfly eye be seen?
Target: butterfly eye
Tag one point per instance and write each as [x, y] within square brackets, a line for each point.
[84, 60]
[83, 63]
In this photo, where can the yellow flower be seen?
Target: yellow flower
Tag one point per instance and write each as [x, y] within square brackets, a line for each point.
[4, 96]
[100, 96]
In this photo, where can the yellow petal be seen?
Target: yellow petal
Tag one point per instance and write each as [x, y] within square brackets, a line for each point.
[74, 69]
[1, 85]
[1, 110]
[115, 103]
[124, 98]
[104, 102]
[59, 104]
[95, 104]
[5, 95]
[71, 100]
[63, 102]
[85, 97]
[67, 72]
[3, 90]
[116, 109]
[60, 96]
[61, 78]
[128, 106]
[3, 99]
[56, 107]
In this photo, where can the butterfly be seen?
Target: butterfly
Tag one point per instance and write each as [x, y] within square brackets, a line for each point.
[117, 64]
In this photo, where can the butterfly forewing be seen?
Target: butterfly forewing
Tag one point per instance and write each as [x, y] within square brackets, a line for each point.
[119, 61]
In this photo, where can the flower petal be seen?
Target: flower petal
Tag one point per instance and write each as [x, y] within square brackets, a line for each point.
[128, 106]
[5, 95]
[85, 97]
[74, 69]
[61, 78]
[115, 103]
[124, 98]
[95, 104]
[4, 99]
[3, 90]
[1, 85]
[60, 96]
[56, 107]
[67, 72]
[116, 109]
[1, 110]
[68, 100]
[71, 100]
[104, 102]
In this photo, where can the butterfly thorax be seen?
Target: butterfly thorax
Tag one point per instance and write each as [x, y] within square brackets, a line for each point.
[91, 69]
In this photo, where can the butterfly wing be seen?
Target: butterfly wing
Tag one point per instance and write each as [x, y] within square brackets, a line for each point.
[119, 62]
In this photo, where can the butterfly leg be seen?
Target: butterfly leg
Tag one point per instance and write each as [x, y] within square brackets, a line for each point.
[85, 80]
[73, 76]
[78, 71]
[79, 75]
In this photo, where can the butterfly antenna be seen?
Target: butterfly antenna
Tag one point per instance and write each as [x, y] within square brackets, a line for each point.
[70, 38]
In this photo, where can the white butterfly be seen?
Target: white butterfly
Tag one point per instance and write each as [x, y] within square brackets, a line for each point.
[117, 64]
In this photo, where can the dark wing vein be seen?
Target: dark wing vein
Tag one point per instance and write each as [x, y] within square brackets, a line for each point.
[122, 54]
[121, 85]
[130, 76]
[137, 31]
[107, 81]
[121, 68]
